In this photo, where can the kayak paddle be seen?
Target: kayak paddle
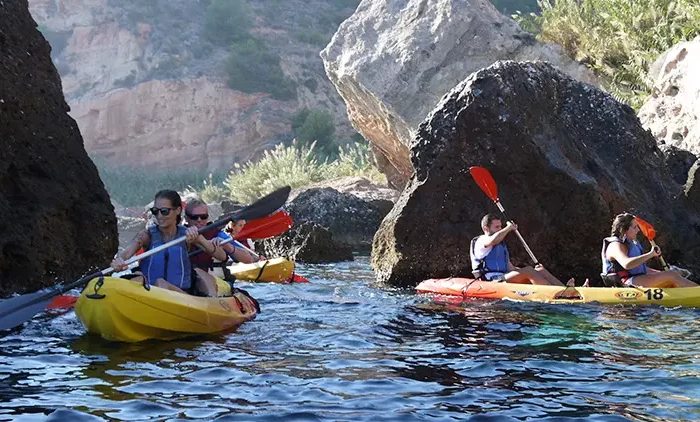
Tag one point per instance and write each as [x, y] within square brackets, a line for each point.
[270, 226]
[483, 178]
[649, 232]
[19, 309]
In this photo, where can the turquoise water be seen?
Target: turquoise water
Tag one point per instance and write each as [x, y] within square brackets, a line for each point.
[345, 349]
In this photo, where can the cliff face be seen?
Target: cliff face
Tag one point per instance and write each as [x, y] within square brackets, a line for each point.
[58, 221]
[392, 60]
[142, 79]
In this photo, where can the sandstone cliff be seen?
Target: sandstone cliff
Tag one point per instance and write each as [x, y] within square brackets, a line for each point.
[58, 221]
[148, 88]
[392, 60]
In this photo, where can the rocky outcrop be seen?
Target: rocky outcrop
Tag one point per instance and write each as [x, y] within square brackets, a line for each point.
[59, 222]
[393, 59]
[361, 187]
[692, 187]
[148, 88]
[678, 161]
[351, 220]
[308, 243]
[566, 158]
[673, 109]
[194, 123]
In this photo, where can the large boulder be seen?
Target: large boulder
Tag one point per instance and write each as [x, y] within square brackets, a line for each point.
[566, 157]
[352, 221]
[309, 243]
[672, 111]
[59, 222]
[392, 60]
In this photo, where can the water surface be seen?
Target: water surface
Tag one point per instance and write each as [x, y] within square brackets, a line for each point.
[345, 349]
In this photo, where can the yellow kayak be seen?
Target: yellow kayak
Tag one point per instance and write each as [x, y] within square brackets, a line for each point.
[468, 288]
[123, 310]
[276, 270]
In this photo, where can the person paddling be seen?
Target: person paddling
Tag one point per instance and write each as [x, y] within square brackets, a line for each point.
[622, 255]
[171, 268]
[491, 260]
[197, 215]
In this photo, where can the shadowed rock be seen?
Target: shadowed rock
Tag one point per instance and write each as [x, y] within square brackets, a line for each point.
[309, 243]
[59, 222]
[566, 157]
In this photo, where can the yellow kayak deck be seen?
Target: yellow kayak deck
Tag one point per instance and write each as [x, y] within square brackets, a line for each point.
[123, 310]
[276, 270]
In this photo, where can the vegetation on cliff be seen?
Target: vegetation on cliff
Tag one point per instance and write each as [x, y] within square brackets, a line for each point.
[618, 39]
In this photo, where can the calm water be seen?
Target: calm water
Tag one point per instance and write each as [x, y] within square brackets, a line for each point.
[344, 349]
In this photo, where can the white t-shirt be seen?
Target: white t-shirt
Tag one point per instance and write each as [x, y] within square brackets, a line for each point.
[480, 250]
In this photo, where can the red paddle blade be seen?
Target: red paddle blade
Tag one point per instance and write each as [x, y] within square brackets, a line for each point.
[62, 302]
[646, 228]
[270, 226]
[483, 178]
[296, 278]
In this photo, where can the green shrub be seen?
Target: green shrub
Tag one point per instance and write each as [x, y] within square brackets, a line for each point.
[618, 39]
[227, 21]
[252, 67]
[312, 125]
[297, 165]
[278, 167]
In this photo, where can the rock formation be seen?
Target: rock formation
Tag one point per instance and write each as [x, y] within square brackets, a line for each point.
[58, 220]
[673, 109]
[566, 157]
[392, 60]
[308, 243]
[148, 89]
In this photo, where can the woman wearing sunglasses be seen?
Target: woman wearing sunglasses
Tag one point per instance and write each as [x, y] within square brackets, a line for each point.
[197, 215]
[169, 269]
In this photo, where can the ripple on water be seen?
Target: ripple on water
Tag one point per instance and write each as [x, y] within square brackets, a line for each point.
[343, 348]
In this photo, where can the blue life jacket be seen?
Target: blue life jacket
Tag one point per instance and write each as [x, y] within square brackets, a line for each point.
[614, 267]
[497, 260]
[172, 264]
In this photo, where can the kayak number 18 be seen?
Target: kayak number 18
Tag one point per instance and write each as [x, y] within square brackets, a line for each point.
[656, 294]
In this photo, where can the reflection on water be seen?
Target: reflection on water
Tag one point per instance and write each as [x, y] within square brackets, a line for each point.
[342, 348]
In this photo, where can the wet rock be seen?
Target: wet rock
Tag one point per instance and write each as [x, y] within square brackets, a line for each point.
[392, 60]
[692, 186]
[679, 162]
[351, 220]
[566, 158]
[63, 223]
[309, 243]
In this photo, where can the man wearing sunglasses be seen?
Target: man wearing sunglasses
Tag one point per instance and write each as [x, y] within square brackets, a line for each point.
[197, 215]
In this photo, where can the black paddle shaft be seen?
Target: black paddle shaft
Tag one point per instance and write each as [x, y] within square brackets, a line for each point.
[19, 309]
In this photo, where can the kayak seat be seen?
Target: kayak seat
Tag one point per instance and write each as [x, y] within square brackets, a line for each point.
[611, 280]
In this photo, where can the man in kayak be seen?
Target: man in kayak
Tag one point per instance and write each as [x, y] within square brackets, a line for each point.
[491, 260]
[197, 215]
[622, 255]
[169, 269]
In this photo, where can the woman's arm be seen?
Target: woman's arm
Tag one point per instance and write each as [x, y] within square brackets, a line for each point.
[141, 240]
[619, 253]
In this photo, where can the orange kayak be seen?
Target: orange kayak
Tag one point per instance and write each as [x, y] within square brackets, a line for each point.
[469, 288]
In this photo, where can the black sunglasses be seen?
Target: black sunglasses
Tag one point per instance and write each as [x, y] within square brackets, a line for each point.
[165, 211]
[198, 216]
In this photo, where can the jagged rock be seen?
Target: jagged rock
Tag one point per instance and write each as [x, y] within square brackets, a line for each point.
[673, 109]
[566, 157]
[63, 222]
[692, 186]
[679, 162]
[352, 221]
[307, 242]
[392, 60]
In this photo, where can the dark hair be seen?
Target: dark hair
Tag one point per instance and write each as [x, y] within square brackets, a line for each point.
[488, 218]
[174, 199]
[621, 224]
